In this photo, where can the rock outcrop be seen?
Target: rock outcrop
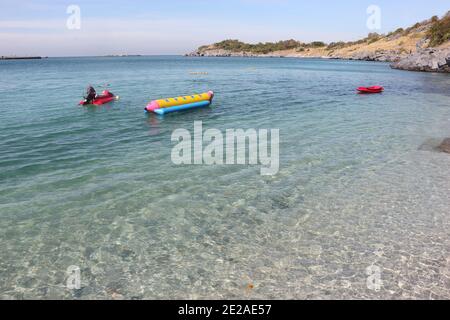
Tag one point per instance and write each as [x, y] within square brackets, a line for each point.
[221, 53]
[228, 53]
[445, 146]
[380, 56]
[429, 60]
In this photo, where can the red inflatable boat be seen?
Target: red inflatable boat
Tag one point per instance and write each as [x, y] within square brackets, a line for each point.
[105, 97]
[374, 89]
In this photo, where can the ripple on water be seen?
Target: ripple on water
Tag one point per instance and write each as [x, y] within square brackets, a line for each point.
[95, 188]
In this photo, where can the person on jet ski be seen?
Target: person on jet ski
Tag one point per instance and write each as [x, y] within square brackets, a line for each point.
[90, 94]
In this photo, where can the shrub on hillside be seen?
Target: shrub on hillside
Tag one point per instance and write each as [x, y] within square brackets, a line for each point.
[317, 44]
[337, 45]
[439, 31]
[267, 47]
[373, 37]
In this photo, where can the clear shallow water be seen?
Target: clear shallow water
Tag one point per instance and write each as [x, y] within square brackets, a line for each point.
[95, 187]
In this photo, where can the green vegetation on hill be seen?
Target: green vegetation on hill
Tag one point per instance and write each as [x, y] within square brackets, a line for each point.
[260, 48]
[267, 47]
[371, 38]
[399, 31]
[439, 31]
[264, 48]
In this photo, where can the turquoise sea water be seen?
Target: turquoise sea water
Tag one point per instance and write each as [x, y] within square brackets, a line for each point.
[359, 183]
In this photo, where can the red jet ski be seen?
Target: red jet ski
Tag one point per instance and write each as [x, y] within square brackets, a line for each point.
[374, 89]
[105, 97]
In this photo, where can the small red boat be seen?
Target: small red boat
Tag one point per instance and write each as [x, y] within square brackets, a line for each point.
[374, 89]
[105, 97]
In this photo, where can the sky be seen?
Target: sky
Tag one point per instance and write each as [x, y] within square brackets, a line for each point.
[153, 27]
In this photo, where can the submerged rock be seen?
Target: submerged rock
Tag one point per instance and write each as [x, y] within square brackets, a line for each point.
[431, 145]
[430, 60]
[445, 146]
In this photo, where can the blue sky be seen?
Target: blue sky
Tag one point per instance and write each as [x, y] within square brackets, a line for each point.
[38, 27]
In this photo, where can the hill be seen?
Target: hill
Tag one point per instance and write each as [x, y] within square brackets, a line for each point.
[429, 39]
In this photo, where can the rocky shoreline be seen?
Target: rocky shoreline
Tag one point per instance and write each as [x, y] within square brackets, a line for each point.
[220, 53]
[426, 60]
[380, 56]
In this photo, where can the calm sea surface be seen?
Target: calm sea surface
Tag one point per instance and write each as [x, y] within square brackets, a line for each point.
[360, 188]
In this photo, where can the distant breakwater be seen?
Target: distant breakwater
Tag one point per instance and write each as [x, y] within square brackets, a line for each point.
[19, 58]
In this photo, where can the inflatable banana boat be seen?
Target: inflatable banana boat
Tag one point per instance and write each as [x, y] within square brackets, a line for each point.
[163, 106]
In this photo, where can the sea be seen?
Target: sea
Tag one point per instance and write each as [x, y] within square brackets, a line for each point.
[93, 207]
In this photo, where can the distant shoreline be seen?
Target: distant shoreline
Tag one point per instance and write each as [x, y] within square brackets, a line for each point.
[19, 58]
